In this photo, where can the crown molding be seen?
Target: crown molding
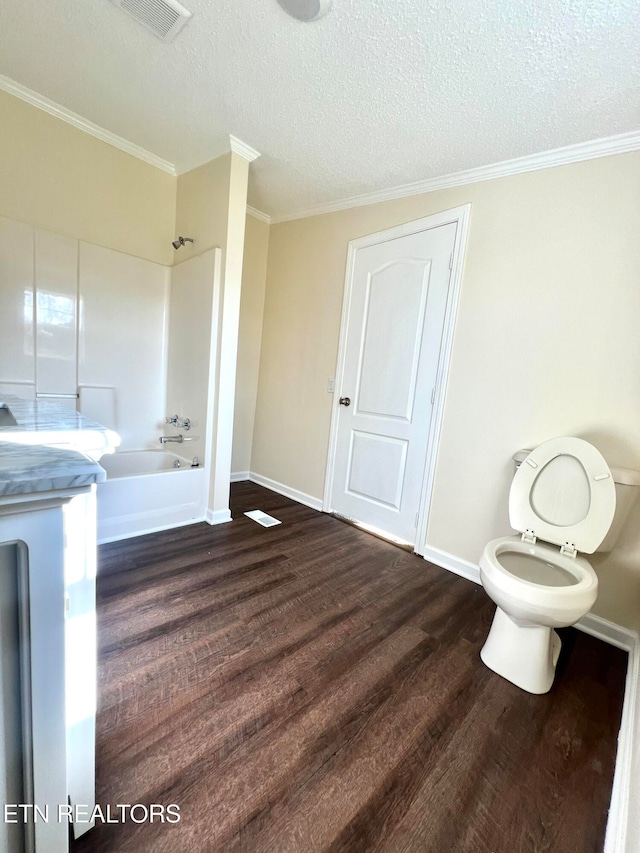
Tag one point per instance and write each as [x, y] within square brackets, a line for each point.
[226, 146]
[58, 111]
[258, 214]
[620, 144]
[241, 148]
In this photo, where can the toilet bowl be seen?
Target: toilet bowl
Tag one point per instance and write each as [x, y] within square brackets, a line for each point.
[563, 495]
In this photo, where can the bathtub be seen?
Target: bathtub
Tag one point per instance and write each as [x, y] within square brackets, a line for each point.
[148, 490]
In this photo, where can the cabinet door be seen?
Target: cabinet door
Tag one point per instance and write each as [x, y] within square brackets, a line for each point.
[56, 298]
[16, 306]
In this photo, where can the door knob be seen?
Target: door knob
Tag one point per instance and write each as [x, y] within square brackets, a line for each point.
[345, 401]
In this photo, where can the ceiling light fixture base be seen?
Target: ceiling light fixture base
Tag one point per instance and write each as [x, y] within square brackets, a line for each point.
[306, 10]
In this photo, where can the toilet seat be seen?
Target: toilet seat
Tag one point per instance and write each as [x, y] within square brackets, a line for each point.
[559, 478]
[516, 593]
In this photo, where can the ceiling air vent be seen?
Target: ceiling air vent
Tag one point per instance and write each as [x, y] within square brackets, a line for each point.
[165, 18]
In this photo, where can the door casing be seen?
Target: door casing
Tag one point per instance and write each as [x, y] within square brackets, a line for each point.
[461, 216]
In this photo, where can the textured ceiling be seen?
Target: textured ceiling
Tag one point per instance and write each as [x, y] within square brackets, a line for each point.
[377, 94]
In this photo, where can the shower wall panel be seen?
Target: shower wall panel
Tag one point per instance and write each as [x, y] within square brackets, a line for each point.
[192, 316]
[17, 364]
[76, 315]
[123, 339]
[56, 314]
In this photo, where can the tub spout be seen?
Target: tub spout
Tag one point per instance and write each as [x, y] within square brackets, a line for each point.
[167, 439]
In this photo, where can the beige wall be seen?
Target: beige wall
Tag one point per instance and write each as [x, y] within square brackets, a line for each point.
[202, 207]
[546, 344]
[54, 176]
[254, 279]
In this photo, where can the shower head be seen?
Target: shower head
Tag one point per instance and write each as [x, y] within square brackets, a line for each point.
[181, 241]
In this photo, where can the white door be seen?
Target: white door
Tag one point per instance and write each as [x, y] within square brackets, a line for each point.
[394, 329]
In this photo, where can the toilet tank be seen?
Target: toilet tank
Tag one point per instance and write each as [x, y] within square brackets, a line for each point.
[627, 491]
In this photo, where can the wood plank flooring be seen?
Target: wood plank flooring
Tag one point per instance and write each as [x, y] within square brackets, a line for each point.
[309, 687]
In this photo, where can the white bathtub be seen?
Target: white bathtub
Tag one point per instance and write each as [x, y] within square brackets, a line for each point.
[145, 492]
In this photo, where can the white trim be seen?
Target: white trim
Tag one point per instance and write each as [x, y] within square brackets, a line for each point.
[242, 149]
[626, 787]
[232, 143]
[258, 214]
[58, 111]
[218, 516]
[287, 491]
[447, 561]
[212, 375]
[240, 476]
[339, 376]
[620, 144]
[609, 632]
[236, 145]
[460, 216]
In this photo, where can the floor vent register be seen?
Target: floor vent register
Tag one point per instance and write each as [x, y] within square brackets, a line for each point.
[262, 518]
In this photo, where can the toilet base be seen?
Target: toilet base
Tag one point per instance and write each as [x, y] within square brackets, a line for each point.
[523, 653]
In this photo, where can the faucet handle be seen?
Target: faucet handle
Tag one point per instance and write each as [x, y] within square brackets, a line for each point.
[172, 420]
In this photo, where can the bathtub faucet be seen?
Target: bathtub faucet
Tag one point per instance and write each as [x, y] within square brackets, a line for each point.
[178, 439]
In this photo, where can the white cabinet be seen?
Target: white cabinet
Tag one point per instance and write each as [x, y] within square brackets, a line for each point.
[37, 562]
[11, 781]
[47, 639]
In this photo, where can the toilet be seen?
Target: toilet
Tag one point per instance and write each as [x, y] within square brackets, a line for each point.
[563, 501]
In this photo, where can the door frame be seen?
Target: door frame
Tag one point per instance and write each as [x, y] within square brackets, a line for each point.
[461, 216]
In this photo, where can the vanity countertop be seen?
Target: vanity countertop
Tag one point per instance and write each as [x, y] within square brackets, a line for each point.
[26, 470]
[53, 423]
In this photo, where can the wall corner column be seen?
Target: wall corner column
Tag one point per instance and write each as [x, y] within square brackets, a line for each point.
[224, 378]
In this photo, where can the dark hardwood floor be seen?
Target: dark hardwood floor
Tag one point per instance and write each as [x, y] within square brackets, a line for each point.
[309, 687]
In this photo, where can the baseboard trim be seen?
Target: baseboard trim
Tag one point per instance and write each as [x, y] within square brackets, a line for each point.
[451, 563]
[603, 629]
[239, 476]
[286, 491]
[219, 516]
[622, 836]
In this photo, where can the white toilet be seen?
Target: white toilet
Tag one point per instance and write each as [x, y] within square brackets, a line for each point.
[564, 494]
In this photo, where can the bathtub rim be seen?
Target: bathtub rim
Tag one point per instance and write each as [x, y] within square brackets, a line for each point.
[185, 466]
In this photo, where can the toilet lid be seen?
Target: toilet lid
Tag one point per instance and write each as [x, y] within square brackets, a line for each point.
[563, 493]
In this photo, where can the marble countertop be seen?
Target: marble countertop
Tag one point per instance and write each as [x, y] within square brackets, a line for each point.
[44, 469]
[54, 423]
